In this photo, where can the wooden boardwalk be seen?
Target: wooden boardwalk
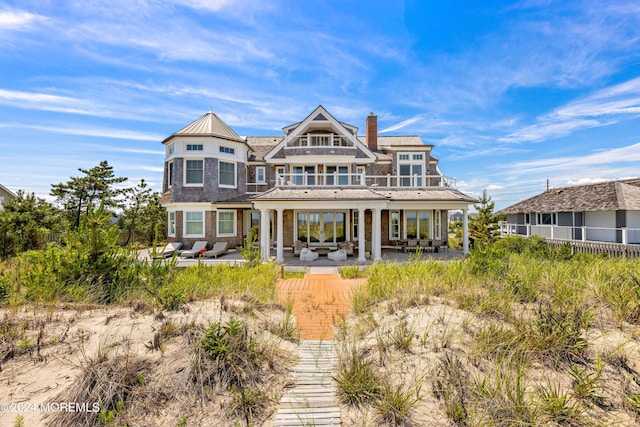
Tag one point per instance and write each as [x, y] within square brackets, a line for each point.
[312, 399]
[319, 302]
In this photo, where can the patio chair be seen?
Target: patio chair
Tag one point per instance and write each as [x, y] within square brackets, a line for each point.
[218, 248]
[297, 247]
[339, 255]
[168, 250]
[195, 249]
[307, 255]
[425, 245]
[412, 245]
[347, 246]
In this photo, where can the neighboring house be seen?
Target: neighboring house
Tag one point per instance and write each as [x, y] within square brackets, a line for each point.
[5, 195]
[604, 212]
[319, 184]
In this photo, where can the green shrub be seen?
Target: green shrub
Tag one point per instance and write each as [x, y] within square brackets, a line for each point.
[237, 356]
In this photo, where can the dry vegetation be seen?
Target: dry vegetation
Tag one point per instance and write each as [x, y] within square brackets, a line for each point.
[144, 364]
[515, 335]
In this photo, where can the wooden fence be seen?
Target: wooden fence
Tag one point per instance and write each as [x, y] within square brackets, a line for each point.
[617, 250]
[122, 240]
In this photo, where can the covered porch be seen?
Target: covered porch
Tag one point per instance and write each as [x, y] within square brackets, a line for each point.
[325, 220]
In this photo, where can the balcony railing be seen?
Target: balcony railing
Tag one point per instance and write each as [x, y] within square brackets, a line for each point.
[593, 234]
[338, 179]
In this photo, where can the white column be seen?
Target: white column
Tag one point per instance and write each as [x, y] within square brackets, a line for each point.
[361, 237]
[376, 238]
[625, 238]
[264, 234]
[465, 231]
[280, 237]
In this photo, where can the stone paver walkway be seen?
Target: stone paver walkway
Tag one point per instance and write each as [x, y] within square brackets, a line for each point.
[320, 300]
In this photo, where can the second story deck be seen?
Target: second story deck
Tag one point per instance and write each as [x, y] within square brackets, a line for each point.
[336, 179]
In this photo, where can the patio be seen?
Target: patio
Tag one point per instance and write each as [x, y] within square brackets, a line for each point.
[293, 263]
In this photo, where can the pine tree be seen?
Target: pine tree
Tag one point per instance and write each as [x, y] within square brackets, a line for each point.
[78, 194]
[483, 228]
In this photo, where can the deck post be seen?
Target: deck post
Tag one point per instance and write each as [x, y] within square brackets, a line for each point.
[264, 234]
[376, 238]
[361, 236]
[280, 236]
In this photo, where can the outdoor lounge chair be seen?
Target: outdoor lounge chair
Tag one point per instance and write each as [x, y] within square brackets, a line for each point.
[307, 255]
[195, 250]
[218, 248]
[168, 250]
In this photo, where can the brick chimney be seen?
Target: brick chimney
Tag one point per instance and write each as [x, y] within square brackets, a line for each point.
[372, 132]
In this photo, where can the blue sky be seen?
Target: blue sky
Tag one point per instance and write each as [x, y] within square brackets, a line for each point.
[510, 93]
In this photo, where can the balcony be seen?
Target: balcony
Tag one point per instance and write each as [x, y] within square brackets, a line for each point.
[336, 179]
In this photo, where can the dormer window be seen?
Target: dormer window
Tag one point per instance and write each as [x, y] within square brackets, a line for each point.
[194, 147]
[227, 150]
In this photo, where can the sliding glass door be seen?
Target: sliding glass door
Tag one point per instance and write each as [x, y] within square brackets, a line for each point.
[322, 227]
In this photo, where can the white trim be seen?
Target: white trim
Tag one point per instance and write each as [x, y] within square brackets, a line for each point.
[184, 172]
[235, 174]
[235, 223]
[437, 225]
[184, 223]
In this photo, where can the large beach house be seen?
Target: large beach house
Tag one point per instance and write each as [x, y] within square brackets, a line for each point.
[319, 184]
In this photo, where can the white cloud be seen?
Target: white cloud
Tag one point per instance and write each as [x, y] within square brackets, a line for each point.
[401, 125]
[16, 20]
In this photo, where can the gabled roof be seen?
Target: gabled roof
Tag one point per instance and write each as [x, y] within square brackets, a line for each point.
[603, 196]
[6, 190]
[208, 125]
[320, 116]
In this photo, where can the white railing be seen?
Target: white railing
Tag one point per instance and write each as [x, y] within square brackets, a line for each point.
[585, 234]
[338, 179]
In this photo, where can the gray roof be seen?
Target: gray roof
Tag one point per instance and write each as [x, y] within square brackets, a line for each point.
[208, 125]
[306, 194]
[603, 196]
[432, 194]
[262, 145]
[359, 193]
[385, 142]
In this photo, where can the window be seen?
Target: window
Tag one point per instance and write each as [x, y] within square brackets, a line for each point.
[226, 223]
[169, 174]
[305, 175]
[194, 147]
[227, 174]
[417, 225]
[194, 171]
[437, 225]
[340, 172]
[547, 219]
[280, 175]
[410, 171]
[361, 177]
[171, 149]
[194, 224]
[355, 224]
[394, 225]
[260, 175]
[320, 140]
[227, 150]
[172, 224]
